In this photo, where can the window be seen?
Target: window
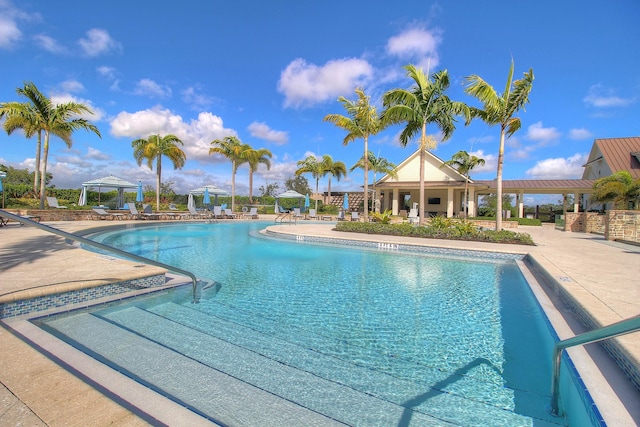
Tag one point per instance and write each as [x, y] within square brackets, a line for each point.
[433, 201]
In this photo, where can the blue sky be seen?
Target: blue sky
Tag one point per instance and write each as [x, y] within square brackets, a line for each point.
[268, 72]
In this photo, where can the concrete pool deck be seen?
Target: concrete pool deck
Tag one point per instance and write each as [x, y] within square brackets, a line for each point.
[34, 390]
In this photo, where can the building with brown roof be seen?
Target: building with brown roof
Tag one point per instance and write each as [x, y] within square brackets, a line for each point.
[611, 155]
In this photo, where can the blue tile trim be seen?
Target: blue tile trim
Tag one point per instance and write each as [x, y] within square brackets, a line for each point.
[38, 304]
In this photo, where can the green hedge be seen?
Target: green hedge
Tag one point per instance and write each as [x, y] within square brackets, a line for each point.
[461, 231]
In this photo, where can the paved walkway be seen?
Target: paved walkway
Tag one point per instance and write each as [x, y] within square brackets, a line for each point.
[601, 275]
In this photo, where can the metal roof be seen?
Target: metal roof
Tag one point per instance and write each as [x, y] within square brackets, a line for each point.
[620, 154]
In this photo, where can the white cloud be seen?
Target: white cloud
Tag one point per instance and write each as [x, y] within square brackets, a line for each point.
[195, 97]
[107, 72]
[306, 84]
[600, 96]
[196, 135]
[418, 45]
[262, 131]
[95, 154]
[490, 162]
[536, 132]
[72, 86]
[579, 134]
[147, 87]
[10, 16]
[49, 43]
[98, 42]
[559, 168]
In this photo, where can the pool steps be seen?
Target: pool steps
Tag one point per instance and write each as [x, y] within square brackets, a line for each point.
[319, 388]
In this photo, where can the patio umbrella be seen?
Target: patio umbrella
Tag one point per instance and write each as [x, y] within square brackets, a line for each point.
[190, 202]
[306, 202]
[139, 196]
[207, 199]
[345, 203]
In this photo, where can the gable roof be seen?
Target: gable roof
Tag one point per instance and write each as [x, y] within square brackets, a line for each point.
[619, 154]
[409, 170]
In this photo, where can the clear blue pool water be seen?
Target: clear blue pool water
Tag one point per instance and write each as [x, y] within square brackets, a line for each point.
[301, 334]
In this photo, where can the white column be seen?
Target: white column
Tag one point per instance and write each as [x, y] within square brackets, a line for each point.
[521, 204]
[471, 200]
[576, 202]
[394, 203]
[450, 202]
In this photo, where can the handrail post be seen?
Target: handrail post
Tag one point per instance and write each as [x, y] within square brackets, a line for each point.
[622, 327]
[104, 247]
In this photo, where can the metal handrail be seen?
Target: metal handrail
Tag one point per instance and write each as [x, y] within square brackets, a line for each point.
[616, 329]
[104, 247]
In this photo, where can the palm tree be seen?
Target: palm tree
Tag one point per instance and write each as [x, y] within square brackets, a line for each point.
[314, 167]
[377, 165]
[464, 163]
[23, 116]
[419, 106]
[619, 188]
[500, 109]
[233, 149]
[41, 115]
[254, 158]
[153, 148]
[363, 122]
[333, 169]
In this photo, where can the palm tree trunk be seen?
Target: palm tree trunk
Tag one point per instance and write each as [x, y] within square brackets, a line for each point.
[317, 188]
[233, 186]
[423, 144]
[36, 172]
[158, 179]
[43, 179]
[366, 179]
[499, 183]
[250, 186]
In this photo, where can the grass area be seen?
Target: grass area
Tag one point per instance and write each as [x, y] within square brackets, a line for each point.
[443, 228]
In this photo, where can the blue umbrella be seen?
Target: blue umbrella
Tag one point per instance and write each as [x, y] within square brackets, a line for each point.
[345, 203]
[207, 199]
[139, 196]
[306, 201]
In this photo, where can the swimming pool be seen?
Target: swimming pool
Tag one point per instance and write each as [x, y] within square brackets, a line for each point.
[327, 334]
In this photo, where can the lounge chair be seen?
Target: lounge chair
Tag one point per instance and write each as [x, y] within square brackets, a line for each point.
[313, 214]
[229, 214]
[141, 215]
[354, 216]
[102, 214]
[296, 213]
[340, 216]
[53, 203]
[252, 214]
[5, 221]
[195, 214]
[217, 212]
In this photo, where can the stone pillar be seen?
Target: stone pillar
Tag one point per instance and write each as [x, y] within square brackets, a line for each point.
[576, 202]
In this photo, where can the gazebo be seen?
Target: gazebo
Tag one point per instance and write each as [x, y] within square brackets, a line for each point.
[211, 189]
[108, 182]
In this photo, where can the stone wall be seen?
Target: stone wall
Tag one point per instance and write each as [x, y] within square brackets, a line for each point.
[623, 225]
[574, 221]
[595, 223]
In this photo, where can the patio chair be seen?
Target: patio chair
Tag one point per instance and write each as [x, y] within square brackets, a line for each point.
[53, 203]
[141, 215]
[340, 216]
[102, 214]
[296, 213]
[354, 216]
[229, 214]
[217, 212]
[252, 214]
[313, 214]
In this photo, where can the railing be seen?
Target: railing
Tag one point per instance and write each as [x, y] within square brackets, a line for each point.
[104, 247]
[616, 329]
